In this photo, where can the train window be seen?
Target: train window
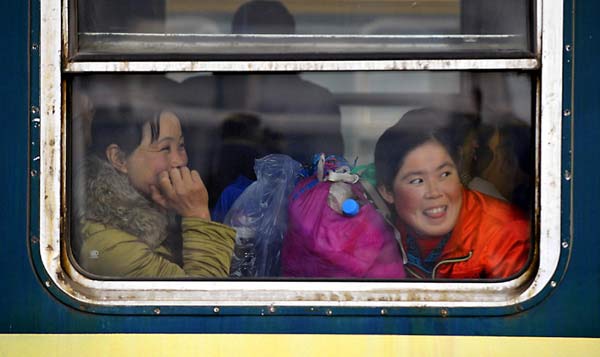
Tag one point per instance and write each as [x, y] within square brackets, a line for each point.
[295, 29]
[378, 154]
[231, 120]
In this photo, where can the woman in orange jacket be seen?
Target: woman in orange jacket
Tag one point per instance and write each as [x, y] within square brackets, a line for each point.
[448, 231]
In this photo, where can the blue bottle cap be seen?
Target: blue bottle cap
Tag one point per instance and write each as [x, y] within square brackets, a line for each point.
[350, 207]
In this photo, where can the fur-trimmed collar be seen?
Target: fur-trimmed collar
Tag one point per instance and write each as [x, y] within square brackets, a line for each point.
[105, 196]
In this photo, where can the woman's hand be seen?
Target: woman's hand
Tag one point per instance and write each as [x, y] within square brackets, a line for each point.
[183, 191]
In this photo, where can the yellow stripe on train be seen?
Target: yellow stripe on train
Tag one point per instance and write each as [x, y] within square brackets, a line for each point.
[181, 345]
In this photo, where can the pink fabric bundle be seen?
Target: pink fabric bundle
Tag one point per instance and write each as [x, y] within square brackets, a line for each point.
[321, 243]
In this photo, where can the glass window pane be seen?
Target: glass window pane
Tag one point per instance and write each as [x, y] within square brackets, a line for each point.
[304, 28]
[128, 133]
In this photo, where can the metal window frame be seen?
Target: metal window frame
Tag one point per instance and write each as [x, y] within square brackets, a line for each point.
[80, 289]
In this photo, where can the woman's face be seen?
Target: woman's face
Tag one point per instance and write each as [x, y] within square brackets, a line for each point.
[151, 158]
[427, 192]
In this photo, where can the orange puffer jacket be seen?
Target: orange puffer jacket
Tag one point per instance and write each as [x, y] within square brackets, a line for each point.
[491, 240]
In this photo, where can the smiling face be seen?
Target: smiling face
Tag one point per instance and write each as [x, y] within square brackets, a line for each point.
[426, 191]
[150, 158]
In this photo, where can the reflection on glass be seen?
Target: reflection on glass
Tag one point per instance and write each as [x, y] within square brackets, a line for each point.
[223, 125]
[307, 27]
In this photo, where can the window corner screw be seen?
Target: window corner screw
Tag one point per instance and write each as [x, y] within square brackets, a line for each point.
[47, 283]
[444, 312]
[568, 48]
[34, 46]
[329, 312]
[383, 312]
[34, 109]
[568, 175]
[157, 311]
[33, 173]
[565, 245]
[272, 309]
[216, 310]
[553, 284]
[35, 240]
[567, 112]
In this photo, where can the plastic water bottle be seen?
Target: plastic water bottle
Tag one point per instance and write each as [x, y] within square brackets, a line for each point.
[341, 199]
[243, 261]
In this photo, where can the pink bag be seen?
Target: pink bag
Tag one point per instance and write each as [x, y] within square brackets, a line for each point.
[322, 243]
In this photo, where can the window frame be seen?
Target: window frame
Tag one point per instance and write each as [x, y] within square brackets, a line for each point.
[80, 289]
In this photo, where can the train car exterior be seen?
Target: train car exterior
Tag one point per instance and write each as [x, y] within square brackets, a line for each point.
[47, 313]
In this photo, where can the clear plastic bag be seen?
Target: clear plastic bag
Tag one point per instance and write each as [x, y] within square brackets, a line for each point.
[259, 217]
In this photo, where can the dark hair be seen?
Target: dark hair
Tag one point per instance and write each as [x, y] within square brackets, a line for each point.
[241, 125]
[122, 105]
[122, 125]
[414, 129]
[515, 139]
[263, 17]
[515, 145]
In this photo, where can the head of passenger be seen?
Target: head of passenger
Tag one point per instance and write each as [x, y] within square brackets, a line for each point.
[505, 159]
[417, 172]
[139, 143]
[463, 130]
[263, 17]
[242, 144]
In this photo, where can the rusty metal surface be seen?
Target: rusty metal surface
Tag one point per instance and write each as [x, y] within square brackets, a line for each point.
[295, 66]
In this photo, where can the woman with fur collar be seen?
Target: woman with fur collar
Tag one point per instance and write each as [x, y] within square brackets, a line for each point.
[133, 187]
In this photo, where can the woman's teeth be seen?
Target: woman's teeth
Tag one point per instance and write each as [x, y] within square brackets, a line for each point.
[435, 211]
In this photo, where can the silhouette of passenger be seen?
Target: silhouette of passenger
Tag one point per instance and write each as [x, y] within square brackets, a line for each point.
[505, 159]
[303, 116]
[263, 17]
[464, 129]
[242, 143]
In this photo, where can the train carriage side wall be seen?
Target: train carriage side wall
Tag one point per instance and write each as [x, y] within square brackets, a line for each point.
[571, 310]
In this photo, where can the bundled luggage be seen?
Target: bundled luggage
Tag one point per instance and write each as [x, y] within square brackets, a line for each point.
[334, 231]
